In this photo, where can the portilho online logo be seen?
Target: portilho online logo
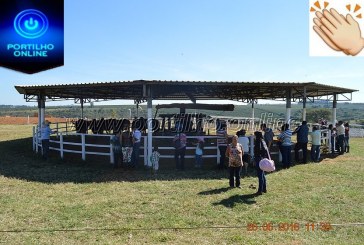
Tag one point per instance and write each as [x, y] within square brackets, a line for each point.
[31, 23]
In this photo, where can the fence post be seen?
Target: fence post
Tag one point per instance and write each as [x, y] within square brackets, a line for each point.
[145, 142]
[34, 145]
[61, 144]
[36, 139]
[83, 147]
[217, 151]
[111, 152]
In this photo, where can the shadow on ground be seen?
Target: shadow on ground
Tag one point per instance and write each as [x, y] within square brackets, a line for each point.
[17, 160]
[237, 199]
[215, 191]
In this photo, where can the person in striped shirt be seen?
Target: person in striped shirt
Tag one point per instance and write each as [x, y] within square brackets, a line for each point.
[285, 138]
[222, 141]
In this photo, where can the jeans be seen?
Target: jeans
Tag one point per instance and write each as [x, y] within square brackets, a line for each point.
[261, 176]
[315, 153]
[179, 157]
[286, 156]
[346, 140]
[135, 155]
[222, 150]
[45, 148]
[117, 156]
[198, 161]
[297, 147]
[234, 171]
[340, 139]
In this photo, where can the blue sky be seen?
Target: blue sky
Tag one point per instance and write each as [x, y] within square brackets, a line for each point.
[230, 40]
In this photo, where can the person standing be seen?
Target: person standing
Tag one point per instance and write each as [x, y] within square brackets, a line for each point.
[136, 138]
[244, 141]
[235, 153]
[222, 141]
[316, 143]
[340, 131]
[332, 132]
[116, 148]
[285, 138]
[180, 142]
[199, 154]
[346, 138]
[126, 146]
[154, 159]
[45, 134]
[302, 140]
[259, 153]
[268, 135]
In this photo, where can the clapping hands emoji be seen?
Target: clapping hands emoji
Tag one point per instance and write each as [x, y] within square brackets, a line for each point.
[338, 32]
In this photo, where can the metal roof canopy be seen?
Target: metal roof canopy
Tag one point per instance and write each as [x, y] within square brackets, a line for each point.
[138, 91]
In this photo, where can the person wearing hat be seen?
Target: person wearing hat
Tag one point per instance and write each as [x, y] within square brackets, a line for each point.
[45, 133]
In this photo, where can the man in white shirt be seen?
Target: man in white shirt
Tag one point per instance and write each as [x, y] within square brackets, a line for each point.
[244, 141]
[316, 143]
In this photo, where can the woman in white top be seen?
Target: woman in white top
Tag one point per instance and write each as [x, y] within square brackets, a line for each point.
[244, 141]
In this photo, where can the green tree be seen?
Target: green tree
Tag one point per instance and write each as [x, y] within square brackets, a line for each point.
[314, 115]
[113, 113]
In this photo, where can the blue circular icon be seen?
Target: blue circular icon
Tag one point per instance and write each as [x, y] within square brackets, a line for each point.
[31, 23]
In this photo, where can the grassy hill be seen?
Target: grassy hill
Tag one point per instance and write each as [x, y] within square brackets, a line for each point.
[345, 111]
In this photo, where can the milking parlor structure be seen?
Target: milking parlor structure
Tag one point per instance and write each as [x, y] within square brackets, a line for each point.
[146, 91]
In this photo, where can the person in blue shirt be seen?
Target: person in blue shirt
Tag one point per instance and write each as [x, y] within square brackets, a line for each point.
[302, 140]
[285, 138]
[136, 138]
[198, 154]
[45, 134]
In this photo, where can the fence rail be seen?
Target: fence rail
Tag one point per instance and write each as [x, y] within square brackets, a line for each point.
[61, 142]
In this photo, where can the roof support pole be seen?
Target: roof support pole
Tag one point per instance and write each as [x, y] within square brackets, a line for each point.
[288, 105]
[41, 110]
[169, 123]
[81, 102]
[304, 103]
[253, 116]
[334, 105]
[150, 128]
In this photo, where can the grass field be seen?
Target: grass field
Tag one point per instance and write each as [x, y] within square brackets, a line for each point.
[63, 202]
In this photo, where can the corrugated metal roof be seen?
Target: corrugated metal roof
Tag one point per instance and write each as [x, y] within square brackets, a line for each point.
[172, 90]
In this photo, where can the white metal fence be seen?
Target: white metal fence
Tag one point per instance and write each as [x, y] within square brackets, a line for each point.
[61, 140]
